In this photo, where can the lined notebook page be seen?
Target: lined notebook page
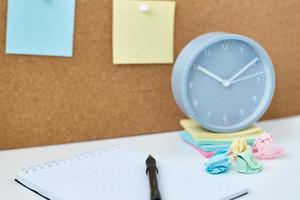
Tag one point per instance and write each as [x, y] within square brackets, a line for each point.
[119, 173]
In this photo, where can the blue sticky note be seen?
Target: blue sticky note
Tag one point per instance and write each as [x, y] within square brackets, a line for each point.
[40, 27]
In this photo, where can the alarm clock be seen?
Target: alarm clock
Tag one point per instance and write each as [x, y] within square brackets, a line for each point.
[223, 81]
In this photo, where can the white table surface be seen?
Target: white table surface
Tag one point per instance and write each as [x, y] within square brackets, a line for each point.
[278, 180]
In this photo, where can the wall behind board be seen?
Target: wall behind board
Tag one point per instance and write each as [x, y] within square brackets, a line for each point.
[50, 100]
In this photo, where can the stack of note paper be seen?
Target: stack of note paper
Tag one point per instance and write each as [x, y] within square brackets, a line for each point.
[207, 141]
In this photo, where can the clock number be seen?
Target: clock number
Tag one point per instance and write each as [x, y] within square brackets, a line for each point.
[195, 103]
[195, 67]
[209, 114]
[258, 80]
[225, 120]
[242, 112]
[207, 52]
[242, 50]
[225, 46]
[191, 84]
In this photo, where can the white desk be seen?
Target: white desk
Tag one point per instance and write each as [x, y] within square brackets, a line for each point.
[279, 179]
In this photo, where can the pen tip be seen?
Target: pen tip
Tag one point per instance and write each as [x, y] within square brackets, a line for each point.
[150, 161]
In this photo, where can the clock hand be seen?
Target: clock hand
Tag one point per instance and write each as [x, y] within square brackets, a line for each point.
[210, 74]
[243, 69]
[247, 77]
[217, 99]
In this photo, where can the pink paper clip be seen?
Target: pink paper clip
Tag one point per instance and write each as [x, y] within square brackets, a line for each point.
[264, 147]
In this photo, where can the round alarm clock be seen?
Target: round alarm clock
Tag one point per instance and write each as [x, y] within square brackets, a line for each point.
[223, 81]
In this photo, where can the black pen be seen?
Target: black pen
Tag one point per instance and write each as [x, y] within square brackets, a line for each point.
[152, 171]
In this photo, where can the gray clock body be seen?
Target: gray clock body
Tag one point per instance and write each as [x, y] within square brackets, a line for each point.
[223, 81]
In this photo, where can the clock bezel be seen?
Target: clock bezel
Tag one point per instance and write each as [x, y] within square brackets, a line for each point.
[184, 64]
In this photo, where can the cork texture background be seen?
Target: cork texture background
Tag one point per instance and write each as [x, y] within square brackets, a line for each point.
[51, 100]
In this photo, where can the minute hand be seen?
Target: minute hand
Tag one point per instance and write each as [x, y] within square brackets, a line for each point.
[243, 69]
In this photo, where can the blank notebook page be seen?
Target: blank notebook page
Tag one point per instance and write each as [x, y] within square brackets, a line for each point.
[117, 173]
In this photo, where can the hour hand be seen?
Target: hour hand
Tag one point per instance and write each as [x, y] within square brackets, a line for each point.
[210, 74]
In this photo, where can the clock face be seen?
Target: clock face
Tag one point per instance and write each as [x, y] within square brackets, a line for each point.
[228, 85]
[226, 98]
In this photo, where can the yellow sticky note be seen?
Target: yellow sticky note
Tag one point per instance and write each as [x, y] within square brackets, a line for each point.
[143, 31]
[199, 133]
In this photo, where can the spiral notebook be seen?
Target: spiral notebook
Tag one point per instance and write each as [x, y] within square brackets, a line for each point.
[117, 173]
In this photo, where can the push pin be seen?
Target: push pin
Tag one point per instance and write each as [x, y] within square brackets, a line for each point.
[144, 7]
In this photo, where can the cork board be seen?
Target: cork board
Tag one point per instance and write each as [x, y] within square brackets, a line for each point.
[51, 100]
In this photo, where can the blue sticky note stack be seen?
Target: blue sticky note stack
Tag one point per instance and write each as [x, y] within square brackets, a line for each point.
[40, 27]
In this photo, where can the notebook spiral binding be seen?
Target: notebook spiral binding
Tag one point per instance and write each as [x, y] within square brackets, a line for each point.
[70, 159]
